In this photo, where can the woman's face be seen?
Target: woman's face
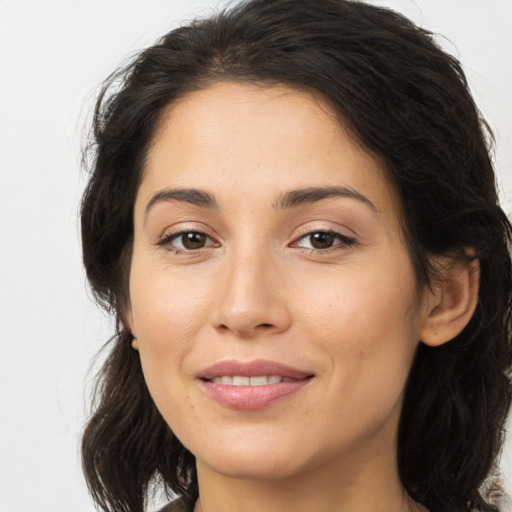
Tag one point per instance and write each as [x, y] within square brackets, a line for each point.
[271, 289]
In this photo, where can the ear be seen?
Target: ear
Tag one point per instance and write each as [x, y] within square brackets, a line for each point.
[127, 319]
[452, 302]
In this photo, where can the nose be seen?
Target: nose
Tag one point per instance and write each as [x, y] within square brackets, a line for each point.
[252, 298]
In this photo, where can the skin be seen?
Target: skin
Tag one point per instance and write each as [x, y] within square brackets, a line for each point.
[349, 313]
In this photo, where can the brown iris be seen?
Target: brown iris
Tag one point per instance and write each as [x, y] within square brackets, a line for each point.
[193, 240]
[321, 240]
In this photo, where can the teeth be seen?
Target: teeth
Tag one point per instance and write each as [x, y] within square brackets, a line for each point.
[259, 380]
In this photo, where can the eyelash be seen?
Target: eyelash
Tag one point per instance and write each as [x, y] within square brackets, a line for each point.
[167, 241]
[343, 241]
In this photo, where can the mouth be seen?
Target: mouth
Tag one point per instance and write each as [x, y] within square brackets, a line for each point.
[243, 380]
[252, 385]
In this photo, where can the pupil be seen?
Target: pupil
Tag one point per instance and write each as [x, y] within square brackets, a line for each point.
[193, 240]
[322, 240]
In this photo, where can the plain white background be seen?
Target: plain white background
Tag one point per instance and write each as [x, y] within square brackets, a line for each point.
[53, 55]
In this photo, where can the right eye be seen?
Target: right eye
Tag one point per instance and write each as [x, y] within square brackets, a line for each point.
[188, 241]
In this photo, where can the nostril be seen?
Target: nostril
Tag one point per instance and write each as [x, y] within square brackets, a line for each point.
[266, 326]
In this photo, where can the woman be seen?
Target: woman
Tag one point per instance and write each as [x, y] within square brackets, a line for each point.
[292, 214]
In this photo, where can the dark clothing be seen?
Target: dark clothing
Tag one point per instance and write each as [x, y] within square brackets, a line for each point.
[178, 505]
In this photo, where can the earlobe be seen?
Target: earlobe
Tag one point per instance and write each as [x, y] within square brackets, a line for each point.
[452, 302]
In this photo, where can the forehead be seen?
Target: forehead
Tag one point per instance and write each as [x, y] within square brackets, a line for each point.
[258, 139]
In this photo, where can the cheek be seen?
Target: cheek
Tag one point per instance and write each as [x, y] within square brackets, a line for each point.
[166, 306]
[367, 322]
[375, 299]
[167, 323]
[167, 313]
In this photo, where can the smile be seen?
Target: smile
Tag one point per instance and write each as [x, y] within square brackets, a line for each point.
[242, 380]
[251, 385]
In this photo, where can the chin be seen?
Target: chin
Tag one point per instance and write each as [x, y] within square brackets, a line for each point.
[261, 466]
[251, 455]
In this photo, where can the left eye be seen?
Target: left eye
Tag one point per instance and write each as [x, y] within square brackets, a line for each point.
[323, 240]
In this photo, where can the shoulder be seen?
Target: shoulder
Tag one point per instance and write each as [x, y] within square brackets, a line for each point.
[505, 503]
[177, 505]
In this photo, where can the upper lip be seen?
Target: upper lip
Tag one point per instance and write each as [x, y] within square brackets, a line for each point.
[251, 369]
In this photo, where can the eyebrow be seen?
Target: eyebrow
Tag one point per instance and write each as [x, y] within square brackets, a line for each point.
[311, 195]
[193, 196]
[287, 200]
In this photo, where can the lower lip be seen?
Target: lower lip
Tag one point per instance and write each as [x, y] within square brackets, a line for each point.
[251, 397]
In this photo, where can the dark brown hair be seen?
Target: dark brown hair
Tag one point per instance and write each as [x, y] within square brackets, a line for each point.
[404, 99]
